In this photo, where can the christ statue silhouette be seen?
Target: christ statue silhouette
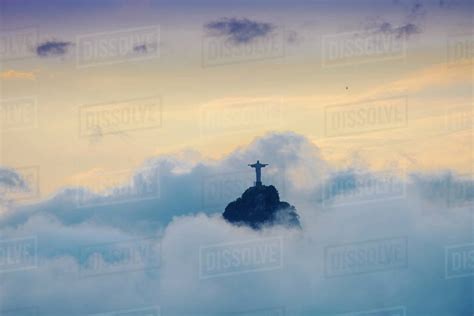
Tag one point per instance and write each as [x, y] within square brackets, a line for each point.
[258, 171]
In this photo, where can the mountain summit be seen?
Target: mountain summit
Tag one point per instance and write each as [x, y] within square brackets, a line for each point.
[260, 206]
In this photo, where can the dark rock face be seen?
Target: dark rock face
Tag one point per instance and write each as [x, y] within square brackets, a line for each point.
[260, 206]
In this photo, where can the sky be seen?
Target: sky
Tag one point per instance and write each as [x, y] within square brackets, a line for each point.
[184, 74]
[98, 98]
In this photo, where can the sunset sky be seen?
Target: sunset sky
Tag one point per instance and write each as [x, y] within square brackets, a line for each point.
[127, 128]
[206, 107]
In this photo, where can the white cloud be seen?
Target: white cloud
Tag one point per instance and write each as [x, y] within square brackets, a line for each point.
[431, 212]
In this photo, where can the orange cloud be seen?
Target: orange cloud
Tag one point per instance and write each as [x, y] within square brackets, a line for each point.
[13, 74]
[435, 76]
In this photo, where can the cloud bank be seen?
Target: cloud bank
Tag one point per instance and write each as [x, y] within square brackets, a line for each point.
[370, 241]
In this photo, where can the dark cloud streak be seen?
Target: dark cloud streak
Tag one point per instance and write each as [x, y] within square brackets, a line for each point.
[239, 30]
[402, 31]
[53, 48]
